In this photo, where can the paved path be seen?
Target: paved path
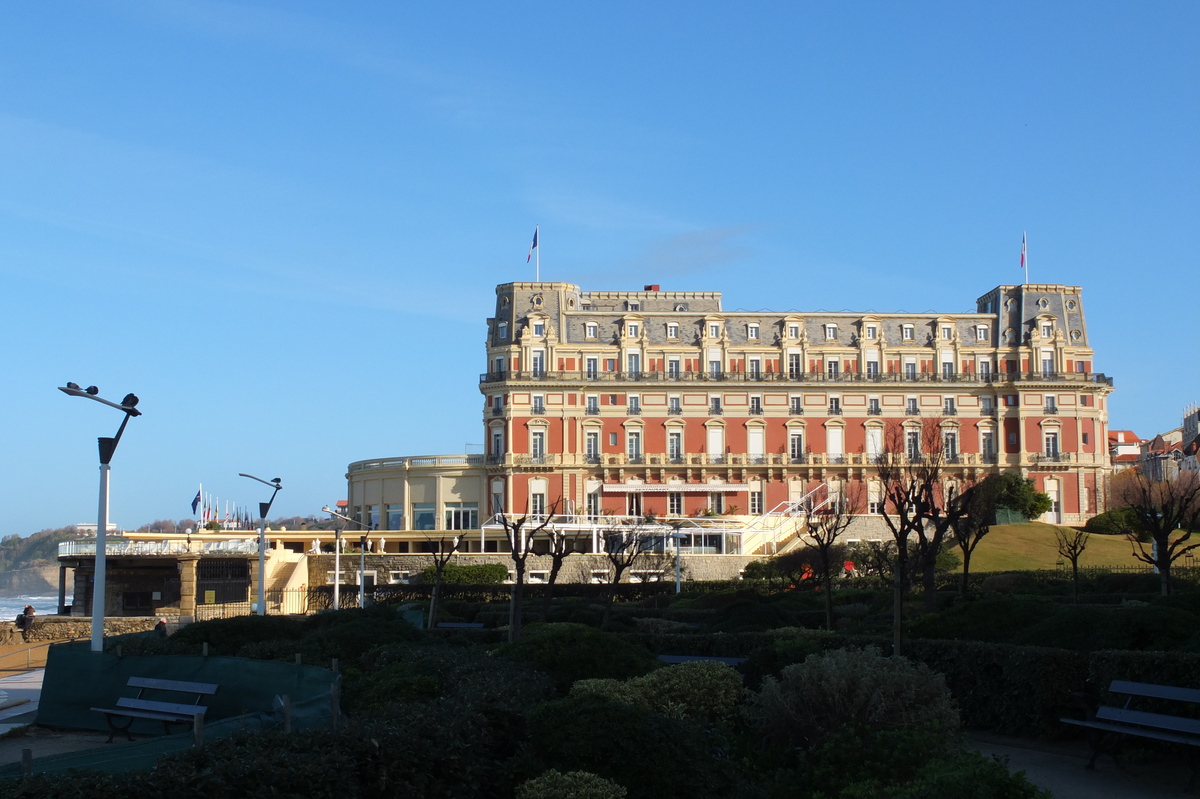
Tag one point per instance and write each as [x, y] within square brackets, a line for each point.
[1060, 768]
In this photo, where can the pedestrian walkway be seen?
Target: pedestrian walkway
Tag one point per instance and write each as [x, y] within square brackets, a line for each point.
[1060, 768]
[20, 701]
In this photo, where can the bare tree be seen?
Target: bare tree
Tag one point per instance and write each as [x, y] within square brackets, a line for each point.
[825, 524]
[519, 532]
[873, 558]
[561, 545]
[442, 553]
[1163, 508]
[971, 527]
[1072, 542]
[627, 545]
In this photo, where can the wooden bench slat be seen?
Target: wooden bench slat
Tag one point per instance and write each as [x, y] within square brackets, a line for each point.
[174, 718]
[1144, 733]
[186, 711]
[1154, 691]
[1143, 718]
[173, 685]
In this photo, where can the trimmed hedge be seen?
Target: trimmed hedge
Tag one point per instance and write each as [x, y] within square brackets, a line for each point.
[467, 574]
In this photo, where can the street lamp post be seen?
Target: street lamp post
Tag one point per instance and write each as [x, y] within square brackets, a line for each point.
[362, 560]
[108, 447]
[678, 537]
[264, 508]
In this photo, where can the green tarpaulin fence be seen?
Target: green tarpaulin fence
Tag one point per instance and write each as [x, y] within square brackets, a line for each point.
[249, 698]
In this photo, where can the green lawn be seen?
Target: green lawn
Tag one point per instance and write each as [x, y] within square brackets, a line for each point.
[1032, 546]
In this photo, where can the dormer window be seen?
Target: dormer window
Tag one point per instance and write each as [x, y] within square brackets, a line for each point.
[632, 329]
[591, 330]
[1047, 329]
[502, 330]
[714, 330]
[981, 333]
[830, 332]
[906, 332]
[539, 328]
[946, 332]
[872, 331]
[673, 330]
[752, 331]
[793, 331]
[633, 306]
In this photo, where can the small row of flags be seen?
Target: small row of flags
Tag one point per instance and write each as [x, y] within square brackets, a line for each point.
[207, 508]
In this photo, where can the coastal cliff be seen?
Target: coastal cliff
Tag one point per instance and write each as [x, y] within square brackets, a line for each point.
[31, 581]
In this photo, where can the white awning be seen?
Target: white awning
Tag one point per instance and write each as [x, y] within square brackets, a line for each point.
[682, 488]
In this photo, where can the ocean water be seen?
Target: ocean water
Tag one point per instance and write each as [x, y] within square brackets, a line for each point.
[10, 606]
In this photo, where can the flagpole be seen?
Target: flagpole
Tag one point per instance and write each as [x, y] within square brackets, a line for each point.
[1025, 252]
[537, 235]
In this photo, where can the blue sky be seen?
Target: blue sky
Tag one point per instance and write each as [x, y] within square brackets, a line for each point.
[280, 224]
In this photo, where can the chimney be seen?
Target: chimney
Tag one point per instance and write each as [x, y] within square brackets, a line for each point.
[651, 287]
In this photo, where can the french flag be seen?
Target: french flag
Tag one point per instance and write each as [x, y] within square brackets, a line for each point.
[533, 246]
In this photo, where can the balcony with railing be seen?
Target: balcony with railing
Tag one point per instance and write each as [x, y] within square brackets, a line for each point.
[791, 377]
[124, 548]
[415, 462]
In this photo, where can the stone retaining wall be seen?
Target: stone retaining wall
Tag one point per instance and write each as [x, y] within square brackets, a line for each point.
[576, 569]
[64, 628]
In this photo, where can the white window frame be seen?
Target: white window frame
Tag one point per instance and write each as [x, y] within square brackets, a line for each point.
[907, 333]
[831, 332]
[752, 331]
[673, 330]
[591, 330]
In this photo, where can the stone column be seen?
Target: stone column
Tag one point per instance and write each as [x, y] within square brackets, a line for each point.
[254, 583]
[187, 588]
[62, 590]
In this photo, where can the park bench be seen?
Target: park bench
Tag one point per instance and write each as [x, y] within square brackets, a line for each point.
[178, 712]
[460, 625]
[674, 659]
[1126, 720]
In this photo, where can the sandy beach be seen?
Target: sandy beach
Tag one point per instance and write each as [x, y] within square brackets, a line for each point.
[20, 657]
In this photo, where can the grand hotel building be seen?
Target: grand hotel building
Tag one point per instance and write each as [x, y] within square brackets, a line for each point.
[637, 402]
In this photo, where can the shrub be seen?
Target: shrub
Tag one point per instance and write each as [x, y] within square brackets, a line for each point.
[462, 673]
[702, 689]
[468, 573]
[1131, 627]
[228, 636]
[857, 690]
[651, 754]
[572, 785]
[570, 652]
[772, 659]
[1012, 690]
[1114, 522]
[992, 618]
[622, 691]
